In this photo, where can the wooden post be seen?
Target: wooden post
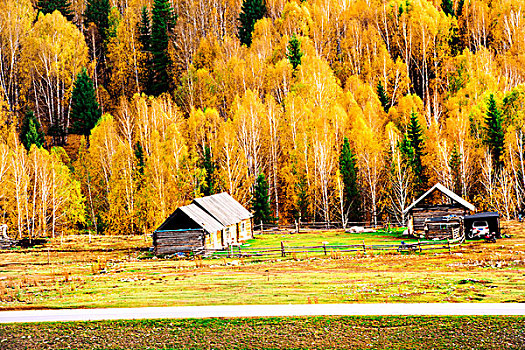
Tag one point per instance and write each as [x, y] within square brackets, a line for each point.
[283, 252]
[419, 244]
[448, 243]
[364, 246]
[240, 252]
[324, 247]
[296, 227]
[261, 228]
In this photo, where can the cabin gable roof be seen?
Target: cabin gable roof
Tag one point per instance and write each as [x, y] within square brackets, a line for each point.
[446, 192]
[223, 208]
[197, 215]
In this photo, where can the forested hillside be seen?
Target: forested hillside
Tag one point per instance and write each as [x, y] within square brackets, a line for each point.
[115, 112]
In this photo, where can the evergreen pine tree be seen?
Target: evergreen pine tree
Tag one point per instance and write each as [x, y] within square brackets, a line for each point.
[448, 7]
[31, 132]
[415, 138]
[162, 21]
[50, 6]
[209, 166]
[85, 111]
[459, 10]
[455, 163]
[303, 200]
[494, 134]
[251, 12]
[97, 12]
[348, 169]
[383, 97]
[261, 202]
[293, 52]
[144, 29]
[139, 156]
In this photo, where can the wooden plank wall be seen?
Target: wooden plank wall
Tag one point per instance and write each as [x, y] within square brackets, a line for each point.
[170, 242]
[420, 214]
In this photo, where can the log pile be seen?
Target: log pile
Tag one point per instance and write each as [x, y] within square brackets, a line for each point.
[7, 243]
[172, 242]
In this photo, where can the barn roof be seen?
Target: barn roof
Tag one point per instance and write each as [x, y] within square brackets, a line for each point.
[223, 208]
[197, 215]
[203, 219]
[447, 193]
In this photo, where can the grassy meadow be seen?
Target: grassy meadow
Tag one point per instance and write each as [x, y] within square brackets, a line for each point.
[114, 271]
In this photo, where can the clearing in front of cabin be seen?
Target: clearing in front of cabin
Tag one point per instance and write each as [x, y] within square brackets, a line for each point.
[120, 272]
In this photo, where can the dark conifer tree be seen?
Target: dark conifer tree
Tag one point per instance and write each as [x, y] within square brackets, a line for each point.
[303, 199]
[415, 138]
[31, 133]
[494, 134]
[85, 111]
[50, 6]
[251, 12]
[459, 10]
[97, 12]
[139, 156]
[348, 169]
[162, 22]
[293, 52]
[448, 7]
[144, 29]
[208, 165]
[383, 97]
[261, 202]
[455, 167]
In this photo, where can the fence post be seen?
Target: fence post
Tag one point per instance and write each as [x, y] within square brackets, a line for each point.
[240, 252]
[364, 246]
[419, 245]
[324, 247]
[262, 228]
[283, 253]
[448, 243]
[296, 227]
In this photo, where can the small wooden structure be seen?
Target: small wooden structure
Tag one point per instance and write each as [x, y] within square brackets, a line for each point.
[213, 222]
[437, 213]
[492, 219]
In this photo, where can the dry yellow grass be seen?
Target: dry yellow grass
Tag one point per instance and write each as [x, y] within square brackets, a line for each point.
[109, 272]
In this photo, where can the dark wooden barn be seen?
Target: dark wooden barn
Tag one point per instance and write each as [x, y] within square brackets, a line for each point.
[438, 213]
[208, 223]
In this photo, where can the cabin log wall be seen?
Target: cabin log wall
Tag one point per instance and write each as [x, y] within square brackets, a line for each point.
[170, 242]
[421, 214]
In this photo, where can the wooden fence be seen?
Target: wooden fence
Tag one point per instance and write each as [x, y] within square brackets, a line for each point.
[284, 251]
[262, 228]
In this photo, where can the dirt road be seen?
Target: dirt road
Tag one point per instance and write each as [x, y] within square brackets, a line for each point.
[260, 311]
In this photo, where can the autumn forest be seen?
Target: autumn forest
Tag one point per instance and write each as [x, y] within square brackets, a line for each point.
[116, 112]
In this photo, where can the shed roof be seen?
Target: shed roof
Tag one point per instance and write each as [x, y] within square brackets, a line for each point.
[493, 214]
[446, 192]
[223, 208]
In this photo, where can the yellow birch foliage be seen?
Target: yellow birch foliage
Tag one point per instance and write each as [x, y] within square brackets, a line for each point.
[53, 55]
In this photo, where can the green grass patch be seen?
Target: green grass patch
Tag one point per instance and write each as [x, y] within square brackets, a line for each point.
[374, 332]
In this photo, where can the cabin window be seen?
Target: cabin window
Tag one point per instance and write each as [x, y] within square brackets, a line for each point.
[242, 226]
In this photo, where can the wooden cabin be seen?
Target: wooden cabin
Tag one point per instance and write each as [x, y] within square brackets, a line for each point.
[213, 222]
[438, 213]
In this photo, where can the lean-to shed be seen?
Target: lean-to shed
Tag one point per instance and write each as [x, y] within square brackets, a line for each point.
[492, 219]
[438, 202]
[213, 222]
